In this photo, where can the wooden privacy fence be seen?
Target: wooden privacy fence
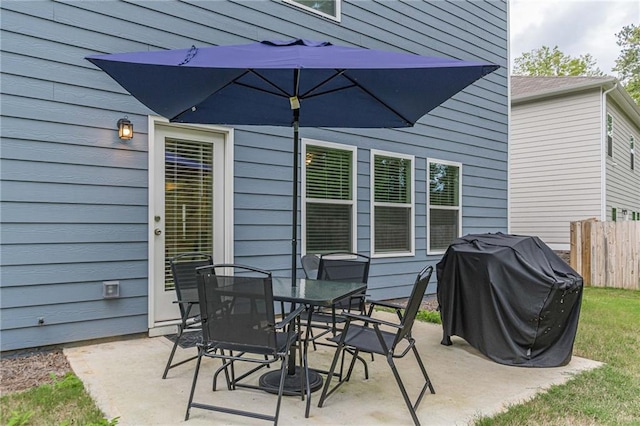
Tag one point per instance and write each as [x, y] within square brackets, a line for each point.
[607, 254]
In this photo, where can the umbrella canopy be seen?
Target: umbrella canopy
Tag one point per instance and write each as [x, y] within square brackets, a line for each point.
[252, 84]
[290, 83]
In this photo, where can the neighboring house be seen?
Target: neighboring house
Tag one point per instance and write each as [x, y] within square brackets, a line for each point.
[80, 207]
[571, 150]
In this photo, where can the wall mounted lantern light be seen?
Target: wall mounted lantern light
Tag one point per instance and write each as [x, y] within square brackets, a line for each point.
[125, 128]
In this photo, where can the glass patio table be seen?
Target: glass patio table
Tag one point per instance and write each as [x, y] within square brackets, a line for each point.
[311, 293]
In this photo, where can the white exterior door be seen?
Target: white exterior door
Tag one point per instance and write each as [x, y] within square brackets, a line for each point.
[189, 206]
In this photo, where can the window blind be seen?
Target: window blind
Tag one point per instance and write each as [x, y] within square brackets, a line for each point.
[328, 228]
[443, 228]
[329, 199]
[188, 199]
[392, 229]
[328, 173]
[392, 185]
[392, 182]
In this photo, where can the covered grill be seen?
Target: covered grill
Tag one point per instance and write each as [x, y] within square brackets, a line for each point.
[511, 297]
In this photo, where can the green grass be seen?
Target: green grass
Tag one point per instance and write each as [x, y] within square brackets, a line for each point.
[608, 331]
[64, 402]
[429, 316]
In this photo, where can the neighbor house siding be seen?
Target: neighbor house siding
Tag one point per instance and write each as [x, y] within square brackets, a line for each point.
[623, 184]
[555, 165]
[74, 197]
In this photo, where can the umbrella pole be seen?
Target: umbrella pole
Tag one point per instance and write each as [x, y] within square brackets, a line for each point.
[294, 208]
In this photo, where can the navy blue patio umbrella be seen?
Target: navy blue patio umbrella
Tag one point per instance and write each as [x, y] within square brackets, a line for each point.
[291, 83]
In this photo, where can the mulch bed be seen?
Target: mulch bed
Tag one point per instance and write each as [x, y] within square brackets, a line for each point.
[23, 371]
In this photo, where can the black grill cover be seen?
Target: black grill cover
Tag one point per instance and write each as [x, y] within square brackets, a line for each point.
[511, 297]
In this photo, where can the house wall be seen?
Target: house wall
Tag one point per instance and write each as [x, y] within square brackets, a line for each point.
[623, 184]
[74, 197]
[555, 165]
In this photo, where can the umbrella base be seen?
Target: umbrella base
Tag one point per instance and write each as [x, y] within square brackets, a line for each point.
[270, 382]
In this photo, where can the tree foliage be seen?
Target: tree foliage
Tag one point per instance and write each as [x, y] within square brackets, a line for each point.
[628, 62]
[552, 62]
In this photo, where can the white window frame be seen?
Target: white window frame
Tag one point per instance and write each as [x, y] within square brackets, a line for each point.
[632, 158]
[458, 208]
[609, 132]
[375, 204]
[318, 12]
[354, 194]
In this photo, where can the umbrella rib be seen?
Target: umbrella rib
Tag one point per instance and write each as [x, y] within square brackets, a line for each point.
[266, 80]
[338, 73]
[384, 104]
[235, 81]
[259, 89]
[326, 92]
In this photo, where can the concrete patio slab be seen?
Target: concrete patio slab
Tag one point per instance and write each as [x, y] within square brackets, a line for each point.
[124, 377]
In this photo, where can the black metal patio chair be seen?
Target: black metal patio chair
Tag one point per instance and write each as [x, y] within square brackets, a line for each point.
[310, 264]
[238, 325]
[370, 337]
[183, 269]
[339, 266]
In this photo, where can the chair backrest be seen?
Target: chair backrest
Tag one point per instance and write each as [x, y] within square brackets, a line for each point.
[237, 310]
[183, 269]
[352, 267]
[310, 264]
[413, 304]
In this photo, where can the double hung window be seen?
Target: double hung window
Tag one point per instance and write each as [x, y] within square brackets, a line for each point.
[329, 197]
[444, 204]
[328, 8]
[392, 204]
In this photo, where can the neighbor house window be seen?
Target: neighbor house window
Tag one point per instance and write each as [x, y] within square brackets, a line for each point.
[631, 143]
[328, 8]
[392, 203]
[329, 197]
[609, 135]
[444, 204]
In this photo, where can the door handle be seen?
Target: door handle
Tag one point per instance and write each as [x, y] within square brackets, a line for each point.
[157, 231]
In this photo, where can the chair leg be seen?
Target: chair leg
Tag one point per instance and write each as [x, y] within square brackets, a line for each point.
[306, 384]
[193, 385]
[283, 373]
[173, 352]
[426, 378]
[353, 362]
[224, 367]
[325, 389]
[407, 401]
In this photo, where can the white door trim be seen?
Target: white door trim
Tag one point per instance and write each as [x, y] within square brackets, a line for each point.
[228, 223]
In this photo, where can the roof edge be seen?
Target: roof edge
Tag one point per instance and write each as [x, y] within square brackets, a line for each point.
[620, 95]
[610, 82]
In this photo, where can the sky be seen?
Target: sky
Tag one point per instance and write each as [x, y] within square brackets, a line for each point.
[577, 27]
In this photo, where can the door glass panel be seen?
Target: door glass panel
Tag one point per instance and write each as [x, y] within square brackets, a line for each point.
[188, 200]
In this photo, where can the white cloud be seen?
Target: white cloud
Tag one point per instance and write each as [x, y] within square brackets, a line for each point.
[577, 27]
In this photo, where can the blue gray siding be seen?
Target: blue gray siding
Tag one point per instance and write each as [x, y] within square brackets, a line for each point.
[74, 198]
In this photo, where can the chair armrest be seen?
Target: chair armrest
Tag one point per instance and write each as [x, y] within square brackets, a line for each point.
[292, 315]
[385, 304]
[366, 318]
[186, 302]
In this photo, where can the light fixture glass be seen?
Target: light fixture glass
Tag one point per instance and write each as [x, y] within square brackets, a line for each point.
[125, 128]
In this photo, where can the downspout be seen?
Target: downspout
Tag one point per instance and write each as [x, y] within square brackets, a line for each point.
[603, 154]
